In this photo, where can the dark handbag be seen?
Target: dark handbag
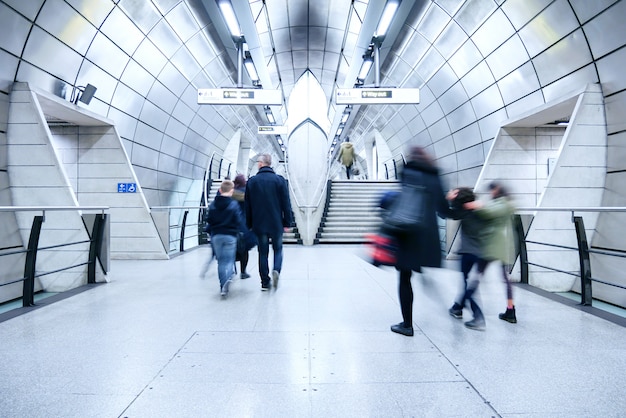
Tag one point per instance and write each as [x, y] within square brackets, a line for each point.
[407, 211]
[241, 245]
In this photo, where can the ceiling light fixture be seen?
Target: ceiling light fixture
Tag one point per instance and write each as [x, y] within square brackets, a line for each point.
[249, 64]
[386, 18]
[226, 7]
[365, 68]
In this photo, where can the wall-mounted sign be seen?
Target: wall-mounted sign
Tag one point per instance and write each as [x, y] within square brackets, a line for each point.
[236, 96]
[379, 95]
[272, 130]
[127, 187]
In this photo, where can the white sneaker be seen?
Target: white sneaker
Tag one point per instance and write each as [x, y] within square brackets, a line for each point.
[224, 291]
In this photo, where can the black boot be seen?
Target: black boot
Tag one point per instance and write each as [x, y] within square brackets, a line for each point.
[509, 315]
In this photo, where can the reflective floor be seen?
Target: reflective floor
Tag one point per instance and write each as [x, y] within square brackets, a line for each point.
[159, 341]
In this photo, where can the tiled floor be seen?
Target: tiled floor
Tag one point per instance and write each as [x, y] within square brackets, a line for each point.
[158, 341]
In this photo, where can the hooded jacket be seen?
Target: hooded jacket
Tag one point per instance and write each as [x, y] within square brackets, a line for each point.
[225, 217]
[346, 154]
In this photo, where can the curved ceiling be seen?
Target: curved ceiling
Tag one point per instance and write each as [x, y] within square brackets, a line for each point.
[476, 63]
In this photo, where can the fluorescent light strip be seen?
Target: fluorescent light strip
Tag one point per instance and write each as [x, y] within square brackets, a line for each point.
[385, 20]
[229, 16]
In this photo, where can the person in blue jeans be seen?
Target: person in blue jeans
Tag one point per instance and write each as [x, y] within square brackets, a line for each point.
[268, 215]
[225, 222]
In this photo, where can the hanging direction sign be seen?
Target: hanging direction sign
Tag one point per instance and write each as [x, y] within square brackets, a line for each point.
[272, 130]
[236, 96]
[378, 95]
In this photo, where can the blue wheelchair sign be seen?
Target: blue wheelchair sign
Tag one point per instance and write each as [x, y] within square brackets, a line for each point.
[127, 187]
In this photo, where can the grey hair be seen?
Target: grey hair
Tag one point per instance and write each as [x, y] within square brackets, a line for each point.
[265, 159]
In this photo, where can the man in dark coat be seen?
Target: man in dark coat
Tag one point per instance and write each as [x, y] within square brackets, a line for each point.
[268, 214]
[422, 248]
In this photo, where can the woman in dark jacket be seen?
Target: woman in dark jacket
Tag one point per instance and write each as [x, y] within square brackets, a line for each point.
[248, 236]
[420, 248]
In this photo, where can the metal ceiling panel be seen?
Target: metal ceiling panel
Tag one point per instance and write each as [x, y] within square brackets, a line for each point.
[430, 64]
[14, 30]
[461, 117]
[520, 12]
[610, 69]
[54, 18]
[175, 131]
[142, 13]
[519, 83]
[586, 10]
[473, 14]
[450, 40]
[29, 9]
[200, 49]
[153, 116]
[415, 49]
[122, 31]
[182, 22]
[564, 57]
[571, 82]
[164, 38]
[470, 158]
[317, 38]
[450, 6]
[171, 146]
[46, 52]
[165, 6]
[467, 137]
[440, 130]
[610, 22]
[432, 114]
[125, 125]
[453, 98]
[433, 23]
[186, 63]
[162, 97]
[149, 138]
[299, 38]
[8, 70]
[150, 57]
[278, 15]
[94, 11]
[107, 55]
[478, 79]
[487, 102]
[493, 33]
[507, 57]
[466, 58]
[127, 100]
[538, 35]
[183, 113]
[216, 72]
[442, 80]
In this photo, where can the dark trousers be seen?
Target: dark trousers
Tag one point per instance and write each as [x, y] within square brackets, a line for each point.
[471, 286]
[348, 170]
[405, 292]
[264, 250]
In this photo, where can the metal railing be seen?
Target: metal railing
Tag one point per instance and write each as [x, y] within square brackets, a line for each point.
[187, 229]
[391, 166]
[33, 248]
[583, 248]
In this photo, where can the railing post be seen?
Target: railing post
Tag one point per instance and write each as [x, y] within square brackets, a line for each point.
[28, 292]
[182, 232]
[585, 262]
[395, 170]
[521, 242]
[97, 235]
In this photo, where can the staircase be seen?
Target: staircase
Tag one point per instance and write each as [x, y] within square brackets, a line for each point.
[291, 237]
[352, 211]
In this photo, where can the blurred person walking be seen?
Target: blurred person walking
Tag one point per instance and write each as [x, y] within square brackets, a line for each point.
[268, 215]
[249, 239]
[225, 222]
[346, 156]
[471, 254]
[497, 237]
[419, 248]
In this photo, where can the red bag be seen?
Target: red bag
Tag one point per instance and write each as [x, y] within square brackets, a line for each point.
[382, 249]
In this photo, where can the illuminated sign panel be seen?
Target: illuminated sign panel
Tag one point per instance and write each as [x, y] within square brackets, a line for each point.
[272, 130]
[365, 96]
[237, 96]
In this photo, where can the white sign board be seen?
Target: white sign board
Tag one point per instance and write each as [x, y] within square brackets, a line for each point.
[236, 96]
[272, 130]
[379, 95]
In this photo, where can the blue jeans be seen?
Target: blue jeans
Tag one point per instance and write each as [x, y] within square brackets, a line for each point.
[264, 251]
[225, 247]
